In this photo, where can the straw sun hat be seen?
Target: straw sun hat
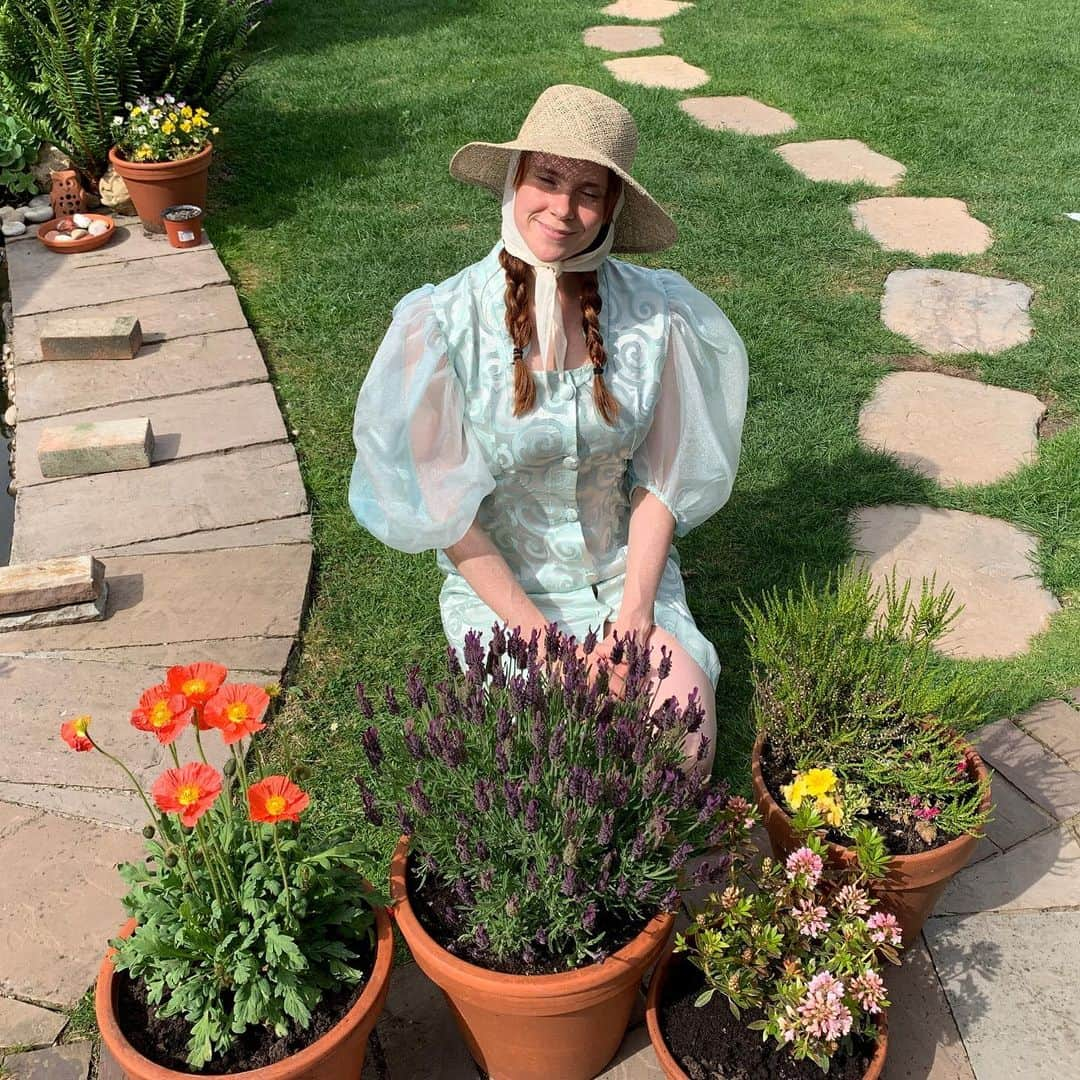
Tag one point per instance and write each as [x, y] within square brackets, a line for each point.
[575, 122]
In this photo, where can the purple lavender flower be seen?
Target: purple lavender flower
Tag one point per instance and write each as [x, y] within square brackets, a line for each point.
[498, 676]
[497, 644]
[670, 900]
[453, 748]
[449, 702]
[552, 865]
[463, 891]
[589, 643]
[420, 801]
[516, 687]
[557, 743]
[461, 848]
[594, 790]
[538, 733]
[618, 791]
[367, 710]
[703, 748]
[480, 936]
[481, 850]
[533, 649]
[643, 892]
[694, 713]
[372, 747]
[405, 823]
[528, 954]
[512, 796]
[532, 816]
[371, 809]
[453, 663]
[534, 694]
[637, 848]
[413, 743]
[482, 796]
[502, 760]
[618, 649]
[588, 920]
[392, 706]
[431, 865]
[503, 724]
[536, 767]
[486, 878]
[607, 829]
[552, 641]
[570, 882]
[415, 689]
[542, 937]
[532, 878]
[474, 649]
[680, 855]
[622, 887]
[663, 669]
[516, 648]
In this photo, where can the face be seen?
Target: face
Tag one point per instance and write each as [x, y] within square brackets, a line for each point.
[560, 205]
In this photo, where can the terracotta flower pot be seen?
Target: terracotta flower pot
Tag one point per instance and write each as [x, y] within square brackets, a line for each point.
[912, 883]
[534, 1027]
[671, 1067]
[154, 185]
[183, 225]
[337, 1055]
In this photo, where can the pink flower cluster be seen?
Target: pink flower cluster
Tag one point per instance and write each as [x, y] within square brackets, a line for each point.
[852, 900]
[822, 1011]
[869, 991]
[884, 929]
[805, 862]
[810, 918]
[922, 810]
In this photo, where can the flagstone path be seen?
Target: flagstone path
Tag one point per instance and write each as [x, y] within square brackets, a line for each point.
[670, 72]
[742, 115]
[842, 161]
[921, 226]
[623, 38]
[645, 10]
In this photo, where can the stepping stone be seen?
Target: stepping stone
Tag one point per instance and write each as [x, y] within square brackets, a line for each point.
[294, 530]
[671, 72]
[58, 912]
[1040, 872]
[1056, 724]
[636, 1059]
[216, 491]
[1015, 817]
[120, 809]
[843, 161]
[186, 426]
[921, 226]
[1041, 775]
[989, 563]
[68, 1062]
[53, 584]
[163, 318]
[623, 38]
[644, 10]
[743, 115]
[923, 1040]
[1011, 982]
[94, 447]
[27, 1025]
[945, 311]
[91, 337]
[956, 431]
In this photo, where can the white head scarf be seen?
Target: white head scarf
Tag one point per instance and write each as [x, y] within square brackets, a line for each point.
[550, 337]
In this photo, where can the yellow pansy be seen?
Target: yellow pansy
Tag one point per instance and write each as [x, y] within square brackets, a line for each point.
[185, 126]
[136, 111]
[168, 127]
[186, 111]
[819, 781]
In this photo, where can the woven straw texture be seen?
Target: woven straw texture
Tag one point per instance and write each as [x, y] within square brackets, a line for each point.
[575, 122]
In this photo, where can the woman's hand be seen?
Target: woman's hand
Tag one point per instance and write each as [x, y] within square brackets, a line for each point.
[632, 622]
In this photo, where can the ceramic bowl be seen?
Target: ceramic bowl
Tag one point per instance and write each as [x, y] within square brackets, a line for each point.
[84, 243]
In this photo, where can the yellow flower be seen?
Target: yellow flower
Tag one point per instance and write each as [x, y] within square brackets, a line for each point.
[819, 781]
[795, 792]
[829, 809]
[215, 130]
[168, 127]
[173, 117]
[135, 111]
[201, 112]
[186, 111]
[185, 126]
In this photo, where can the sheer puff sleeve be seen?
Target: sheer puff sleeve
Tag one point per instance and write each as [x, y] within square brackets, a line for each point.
[419, 475]
[689, 456]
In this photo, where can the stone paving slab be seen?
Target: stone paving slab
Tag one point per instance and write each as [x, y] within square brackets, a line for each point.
[163, 275]
[68, 1062]
[989, 563]
[120, 809]
[174, 600]
[1011, 981]
[1015, 817]
[208, 310]
[185, 426]
[956, 431]
[842, 161]
[670, 72]
[636, 1059]
[922, 226]
[1041, 775]
[177, 497]
[924, 1043]
[58, 911]
[645, 10]
[165, 369]
[945, 311]
[623, 38]
[27, 1025]
[742, 115]
[294, 530]
[1040, 872]
[1056, 724]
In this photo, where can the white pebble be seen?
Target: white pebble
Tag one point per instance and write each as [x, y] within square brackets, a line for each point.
[37, 214]
[81, 221]
[78, 234]
[14, 228]
[41, 200]
[63, 238]
[10, 416]
[97, 228]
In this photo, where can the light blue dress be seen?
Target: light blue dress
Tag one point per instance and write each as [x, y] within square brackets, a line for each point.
[437, 444]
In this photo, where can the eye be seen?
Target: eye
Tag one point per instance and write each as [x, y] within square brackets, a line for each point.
[546, 179]
[593, 194]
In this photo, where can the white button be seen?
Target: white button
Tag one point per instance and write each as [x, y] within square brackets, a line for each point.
[571, 515]
[568, 392]
[570, 462]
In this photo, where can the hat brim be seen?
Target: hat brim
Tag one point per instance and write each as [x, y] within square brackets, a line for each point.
[643, 225]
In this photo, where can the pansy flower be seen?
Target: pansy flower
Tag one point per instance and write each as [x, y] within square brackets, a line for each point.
[237, 710]
[74, 733]
[188, 791]
[162, 712]
[276, 799]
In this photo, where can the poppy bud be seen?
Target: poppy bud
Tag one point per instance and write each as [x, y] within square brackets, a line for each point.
[148, 832]
[229, 767]
[171, 859]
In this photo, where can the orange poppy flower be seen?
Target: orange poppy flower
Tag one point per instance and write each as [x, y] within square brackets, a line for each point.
[188, 791]
[237, 710]
[74, 733]
[276, 799]
[161, 711]
[198, 683]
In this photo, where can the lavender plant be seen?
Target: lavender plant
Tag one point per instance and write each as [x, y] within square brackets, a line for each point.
[550, 817]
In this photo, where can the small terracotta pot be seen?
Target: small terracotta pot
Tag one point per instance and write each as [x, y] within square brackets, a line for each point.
[533, 1027]
[154, 185]
[337, 1055]
[183, 232]
[912, 883]
[672, 1069]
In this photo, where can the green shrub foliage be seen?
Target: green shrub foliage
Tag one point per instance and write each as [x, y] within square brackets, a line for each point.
[18, 149]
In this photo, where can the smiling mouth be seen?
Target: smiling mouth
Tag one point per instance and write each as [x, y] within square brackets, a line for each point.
[554, 232]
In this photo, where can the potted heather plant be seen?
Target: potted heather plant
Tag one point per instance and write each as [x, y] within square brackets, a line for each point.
[253, 948]
[779, 974]
[858, 717]
[162, 149]
[546, 823]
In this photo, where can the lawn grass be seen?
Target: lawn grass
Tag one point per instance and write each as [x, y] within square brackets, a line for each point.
[333, 199]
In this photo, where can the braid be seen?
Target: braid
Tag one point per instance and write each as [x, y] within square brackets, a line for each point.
[591, 303]
[518, 274]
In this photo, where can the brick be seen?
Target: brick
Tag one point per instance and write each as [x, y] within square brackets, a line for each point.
[49, 584]
[91, 337]
[105, 446]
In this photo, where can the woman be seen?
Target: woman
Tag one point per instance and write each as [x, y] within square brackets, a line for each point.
[549, 418]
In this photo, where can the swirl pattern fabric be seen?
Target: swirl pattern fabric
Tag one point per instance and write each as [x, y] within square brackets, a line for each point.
[438, 446]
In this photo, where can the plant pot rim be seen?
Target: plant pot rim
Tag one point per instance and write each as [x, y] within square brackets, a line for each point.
[297, 1064]
[671, 1067]
[520, 989]
[913, 860]
[152, 168]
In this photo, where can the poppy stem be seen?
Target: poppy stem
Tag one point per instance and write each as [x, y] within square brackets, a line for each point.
[284, 876]
[241, 771]
[198, 739]
[131, 776]
[208, 863]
